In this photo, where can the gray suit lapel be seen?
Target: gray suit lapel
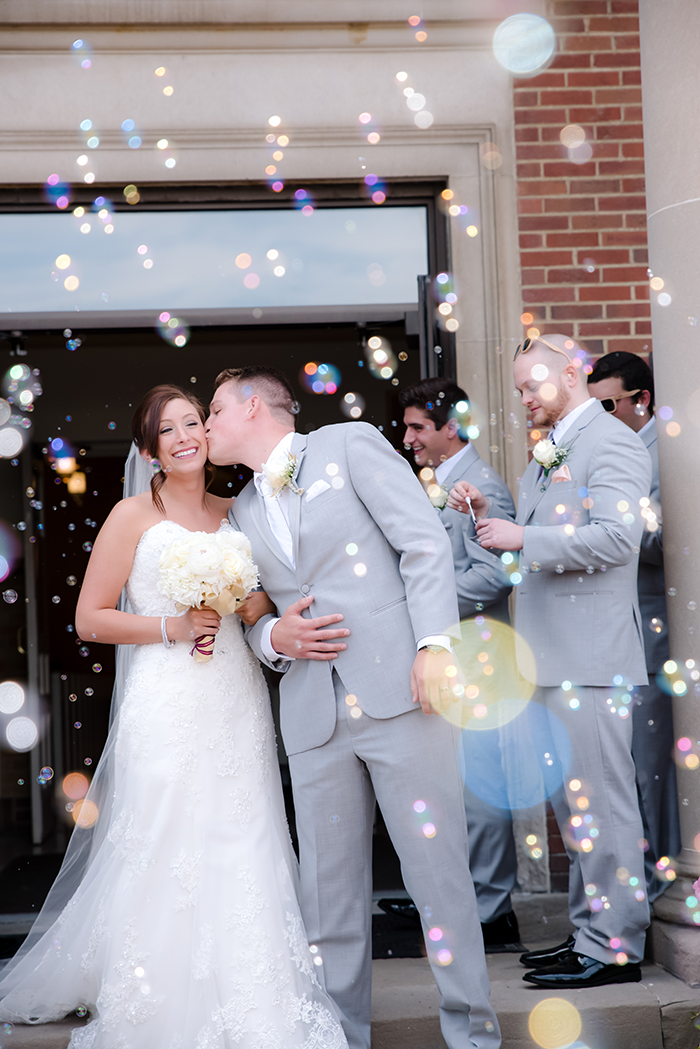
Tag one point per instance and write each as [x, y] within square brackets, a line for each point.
[568, 442]
[259, 517]
[528, 491]
[298, 448]
[470, 457]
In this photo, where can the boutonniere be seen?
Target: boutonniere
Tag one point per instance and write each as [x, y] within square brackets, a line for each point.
[282, 473]
[437, 493]
[549, 456]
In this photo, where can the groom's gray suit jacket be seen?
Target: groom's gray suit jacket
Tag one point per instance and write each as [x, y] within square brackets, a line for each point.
[369, 546]
[576, 608]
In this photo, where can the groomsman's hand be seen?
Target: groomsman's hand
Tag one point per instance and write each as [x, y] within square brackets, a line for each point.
[307, 638]
[501, 535]
[433, 678]
[457, 499]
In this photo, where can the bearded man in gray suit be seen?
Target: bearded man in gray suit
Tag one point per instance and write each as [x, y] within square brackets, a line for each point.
[578, 634]
[336, 517]
[436, 416]
[624, 385]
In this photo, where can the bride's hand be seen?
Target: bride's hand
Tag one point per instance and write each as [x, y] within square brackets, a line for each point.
[256, 605]
[195, 623]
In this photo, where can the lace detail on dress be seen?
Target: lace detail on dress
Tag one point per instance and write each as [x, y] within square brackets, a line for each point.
[299, 946]
[96, 936]
[244, 916]
[203, 962]
[131, 846]
[129, 997]
[186, 868]
[240, 807]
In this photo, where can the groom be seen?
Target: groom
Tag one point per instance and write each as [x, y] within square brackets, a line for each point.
[336, 518]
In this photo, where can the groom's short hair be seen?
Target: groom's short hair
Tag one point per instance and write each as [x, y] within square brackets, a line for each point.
[435, 396]
[272, 386]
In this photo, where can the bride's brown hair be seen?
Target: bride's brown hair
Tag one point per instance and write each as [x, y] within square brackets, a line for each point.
[145, 430]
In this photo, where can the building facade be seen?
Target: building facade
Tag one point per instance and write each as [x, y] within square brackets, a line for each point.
[216, 123]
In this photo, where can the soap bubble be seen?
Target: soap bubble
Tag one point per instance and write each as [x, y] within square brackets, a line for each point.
[11, 697]
[524, 44]
[352, 405]
[22, 734]
[320, 378]
[10, 596]
[173, 329]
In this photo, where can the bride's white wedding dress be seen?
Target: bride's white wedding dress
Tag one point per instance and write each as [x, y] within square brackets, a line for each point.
[185, 932]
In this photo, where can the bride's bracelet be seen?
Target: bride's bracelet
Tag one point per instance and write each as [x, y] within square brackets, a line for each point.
[166, 641]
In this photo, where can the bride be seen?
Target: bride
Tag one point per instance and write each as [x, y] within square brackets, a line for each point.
[174, 920]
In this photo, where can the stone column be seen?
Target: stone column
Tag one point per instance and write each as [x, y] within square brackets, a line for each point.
[670, 87]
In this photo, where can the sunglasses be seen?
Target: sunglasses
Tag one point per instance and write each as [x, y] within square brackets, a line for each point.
[610, 403]
[529, 343]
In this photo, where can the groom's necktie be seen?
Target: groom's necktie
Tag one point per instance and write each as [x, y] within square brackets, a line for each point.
[276, 512]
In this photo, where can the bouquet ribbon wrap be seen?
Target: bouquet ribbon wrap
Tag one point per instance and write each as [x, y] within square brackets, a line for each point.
[225, 604]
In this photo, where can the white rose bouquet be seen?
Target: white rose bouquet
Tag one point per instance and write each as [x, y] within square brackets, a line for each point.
[213, 569]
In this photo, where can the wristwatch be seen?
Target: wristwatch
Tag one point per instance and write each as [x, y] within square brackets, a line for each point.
[435, 649]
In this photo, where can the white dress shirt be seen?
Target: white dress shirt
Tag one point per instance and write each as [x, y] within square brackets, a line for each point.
[647, 426]
[277, 513]
[448, 465]
[277, 506]
[557, 432]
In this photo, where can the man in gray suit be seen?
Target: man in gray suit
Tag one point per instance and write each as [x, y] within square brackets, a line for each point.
[436, 415]
[579, 636]
[624, 385]
[336, 517]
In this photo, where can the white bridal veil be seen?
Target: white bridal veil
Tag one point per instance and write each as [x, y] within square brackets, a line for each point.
[94, 818]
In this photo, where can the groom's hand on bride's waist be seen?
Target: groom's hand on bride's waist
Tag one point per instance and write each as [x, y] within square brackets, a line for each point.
[300, 638]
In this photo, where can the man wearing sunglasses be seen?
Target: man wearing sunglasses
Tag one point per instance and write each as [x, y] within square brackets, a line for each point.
[579, 639]
[624, 385]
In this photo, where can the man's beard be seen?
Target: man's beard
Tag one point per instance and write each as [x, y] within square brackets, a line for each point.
[550, 413]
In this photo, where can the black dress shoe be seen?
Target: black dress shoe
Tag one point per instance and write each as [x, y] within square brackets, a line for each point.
[404, 909]
[578, 970]
[502, 935]
[549, 956]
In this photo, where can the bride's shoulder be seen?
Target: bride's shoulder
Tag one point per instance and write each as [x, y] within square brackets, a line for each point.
[131, 517]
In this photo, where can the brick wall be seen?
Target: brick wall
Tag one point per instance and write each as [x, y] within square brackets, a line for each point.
[583, 245]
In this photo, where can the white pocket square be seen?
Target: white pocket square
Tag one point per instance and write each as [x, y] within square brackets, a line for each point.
[316, 488]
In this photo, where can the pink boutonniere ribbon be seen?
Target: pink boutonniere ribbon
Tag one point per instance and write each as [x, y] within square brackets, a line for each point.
[562, 474]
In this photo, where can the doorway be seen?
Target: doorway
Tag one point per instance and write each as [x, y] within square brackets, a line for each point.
[89, 393]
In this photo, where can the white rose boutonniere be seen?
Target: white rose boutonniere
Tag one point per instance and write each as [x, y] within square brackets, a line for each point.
[549, 456]
[281, 473]
[437, 494]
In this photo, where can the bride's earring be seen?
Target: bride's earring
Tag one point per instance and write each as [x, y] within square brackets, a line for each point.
[639, 409]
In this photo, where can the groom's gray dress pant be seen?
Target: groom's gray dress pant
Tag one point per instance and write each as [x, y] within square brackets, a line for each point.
[409, 764]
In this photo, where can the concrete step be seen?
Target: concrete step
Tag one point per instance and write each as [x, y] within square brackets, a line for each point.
[652, 1014]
